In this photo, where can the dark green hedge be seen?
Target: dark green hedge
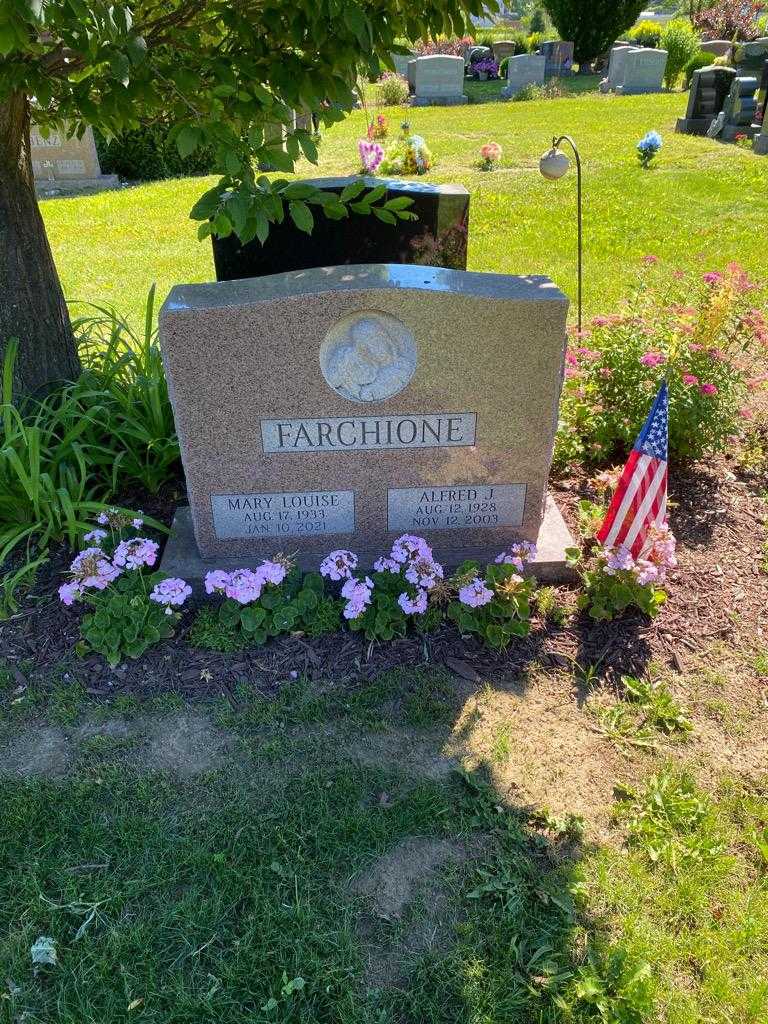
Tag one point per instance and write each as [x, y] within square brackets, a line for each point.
[146, 155]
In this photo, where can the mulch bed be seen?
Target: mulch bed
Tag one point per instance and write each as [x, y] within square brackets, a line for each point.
[720, 593]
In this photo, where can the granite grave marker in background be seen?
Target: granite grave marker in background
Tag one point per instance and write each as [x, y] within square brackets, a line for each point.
[343, 406]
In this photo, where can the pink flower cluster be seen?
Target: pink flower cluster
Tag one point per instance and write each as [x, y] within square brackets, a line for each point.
[245, 585]
[339, 565]
[476, 593]
[521, 552]
[135, 553]
[371, 155]
[657, 557]
[91, 570]
[357, 594]
[171, 592]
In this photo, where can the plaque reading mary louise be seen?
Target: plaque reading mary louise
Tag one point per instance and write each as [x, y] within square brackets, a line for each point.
[367, 357]
[341, 406]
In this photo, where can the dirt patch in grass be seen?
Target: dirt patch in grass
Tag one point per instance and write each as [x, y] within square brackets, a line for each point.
[409, 911]
[411, 753]
[186, 744]
[37, 750]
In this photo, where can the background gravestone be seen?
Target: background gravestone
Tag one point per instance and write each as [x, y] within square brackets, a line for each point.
[740, 108]
[616, 67]
[438, 81]
[643, 72]
[709, 90]
[437, 238]
[344, 406]
[504, 48]
[748, 58]
[559, 57]
[65, 163]
[717, 47]
[525, 69]
[760, 143]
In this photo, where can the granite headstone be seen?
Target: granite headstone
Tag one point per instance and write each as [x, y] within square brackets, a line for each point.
[709, 90]
[67, 163]
[643, 72]
[438, 80]
[558, 54]
[343, 406]
[438, 236]
[525, 69]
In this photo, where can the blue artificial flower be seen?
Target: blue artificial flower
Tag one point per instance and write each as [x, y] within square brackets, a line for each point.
[652, 142]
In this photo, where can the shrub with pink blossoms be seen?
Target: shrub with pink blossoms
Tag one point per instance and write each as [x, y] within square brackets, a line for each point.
[615, 580]
[704, 334]
[132, 611]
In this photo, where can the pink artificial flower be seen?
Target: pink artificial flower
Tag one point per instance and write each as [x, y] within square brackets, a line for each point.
[413, 606]
[475, 594]
[690, 378]
[171, 592]
[652, 358]
[708, 389]
[371, 155]
[133, 554]
[338, 565]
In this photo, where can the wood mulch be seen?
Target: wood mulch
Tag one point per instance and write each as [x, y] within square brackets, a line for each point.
[718, 596]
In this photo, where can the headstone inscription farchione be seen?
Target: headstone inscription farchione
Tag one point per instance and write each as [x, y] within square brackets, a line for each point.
[344, 406]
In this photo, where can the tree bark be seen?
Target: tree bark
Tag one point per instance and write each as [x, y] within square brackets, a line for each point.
[32, 306]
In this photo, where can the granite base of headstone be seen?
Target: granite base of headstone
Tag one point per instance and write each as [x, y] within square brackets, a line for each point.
[523, 70]
[709, 90]
[717, 47]
[64, 166]
[760, 144]
[344, 406]
[438, 81]
[437, 237]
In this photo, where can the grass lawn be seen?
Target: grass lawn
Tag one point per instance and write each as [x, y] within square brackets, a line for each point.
[319, 857]
[704, 205]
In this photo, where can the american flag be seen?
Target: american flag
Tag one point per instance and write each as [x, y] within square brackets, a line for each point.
[640, 501]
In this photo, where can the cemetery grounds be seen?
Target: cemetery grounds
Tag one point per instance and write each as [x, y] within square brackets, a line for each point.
[420, 831]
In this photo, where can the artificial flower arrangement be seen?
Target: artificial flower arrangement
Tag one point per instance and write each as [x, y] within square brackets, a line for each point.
[409, 155]
[132, 611]
[615, 580]
[490, 156]
[378, 129]
[371, 155]
[648, 148]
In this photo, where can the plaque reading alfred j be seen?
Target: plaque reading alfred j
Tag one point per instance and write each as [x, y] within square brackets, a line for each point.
[455, 507]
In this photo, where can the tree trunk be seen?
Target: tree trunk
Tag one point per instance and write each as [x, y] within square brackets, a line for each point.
[32, 306]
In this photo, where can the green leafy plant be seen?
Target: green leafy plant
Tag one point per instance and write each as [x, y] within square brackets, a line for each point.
[681, 41]
[610, 589]
[670, 820]
[612, 988]
[505, 615]
[645, 33]
[701, 59]
[659, 708]
[148, 153]
[124, 623]
[123, 394]
[393, 90]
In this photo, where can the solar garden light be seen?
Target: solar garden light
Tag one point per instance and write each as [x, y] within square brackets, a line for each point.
[553, 165]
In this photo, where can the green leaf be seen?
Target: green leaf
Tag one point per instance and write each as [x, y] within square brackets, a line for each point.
[301, 215]
[352, 191]
[252, 617]
[206, 205]
[385, 215]
[136, 47]
[188, 140]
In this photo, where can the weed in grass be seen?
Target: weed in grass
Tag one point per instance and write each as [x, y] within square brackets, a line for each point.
[659, 708]
[670, 820]
[501, 745]
[550, 607]
[66, 703]
[761, 663]
[211, 634]
[430, 702]
[647, 709]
